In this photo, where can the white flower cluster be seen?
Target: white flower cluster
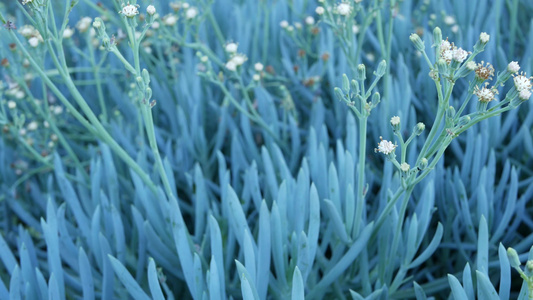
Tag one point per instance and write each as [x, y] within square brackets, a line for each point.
[523, 86]
[344, 9]
[32, 34]
[236, 59]
[385, 147]
[449, 52]
[130, 10]
[84, 24]
[485, 94]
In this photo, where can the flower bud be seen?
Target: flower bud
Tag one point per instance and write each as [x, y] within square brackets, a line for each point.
[150, 10]
[361, 72]
[375, 99]
[415, 39]
[514, 260]
[529, 266]
[355, 87]
[405, 167]
[437, 37]
[442, 66]
[463, 121]
[450, 112]
[339, 94]
[423, 164]
[148, 93]
[146, 76]
[345, 83]
[395, 123]
[382, 68]
[419, 128]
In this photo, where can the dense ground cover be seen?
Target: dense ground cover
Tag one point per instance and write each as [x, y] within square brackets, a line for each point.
[266, 149]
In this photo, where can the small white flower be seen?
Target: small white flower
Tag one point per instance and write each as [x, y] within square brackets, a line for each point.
[129, 11]
[344, 9]
[319, 10]
[84, 24]
[309, 20]
[395, 121]
[150, 10]
[258, 67]
[459, 55]
[58, 110]
[97, 23]
[32, 126]
[524, 95]
[54, 137]
[355, 29]
[455, 28]
[231, 47]
[24, 2]
[155, 25]
[239, 59]
[185, 5]
[191, 13]
[68, 32]
[290, 28]
[447, 55]
[471, 65]
[521, 82]
[256, 77]
[513, 67]
[33, 41]
[445, 45]
[298, 25]
[405, 167]
[19, 94]
[485, 94]
[22, 131]
[449, 20]
[283, 24]
[385, 147]
[27, 31]
[204, 59]
[484, 37]
[11, 104]
[230, 65]
[170, 20]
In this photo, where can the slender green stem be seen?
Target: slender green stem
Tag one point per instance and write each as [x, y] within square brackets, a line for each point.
[360, 206]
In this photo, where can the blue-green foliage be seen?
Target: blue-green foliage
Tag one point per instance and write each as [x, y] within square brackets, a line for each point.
[268, 214]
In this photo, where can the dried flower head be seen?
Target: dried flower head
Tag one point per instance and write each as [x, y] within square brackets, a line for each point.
[485, 94]
[385, 147]
[521, 82]
[484, 72]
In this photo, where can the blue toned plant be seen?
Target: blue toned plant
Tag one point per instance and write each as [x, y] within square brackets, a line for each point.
[266, 149]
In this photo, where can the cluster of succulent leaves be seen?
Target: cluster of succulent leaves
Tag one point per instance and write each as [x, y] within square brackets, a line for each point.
[189, 180]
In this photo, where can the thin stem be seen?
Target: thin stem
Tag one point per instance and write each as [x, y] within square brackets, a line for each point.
[360, 206]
